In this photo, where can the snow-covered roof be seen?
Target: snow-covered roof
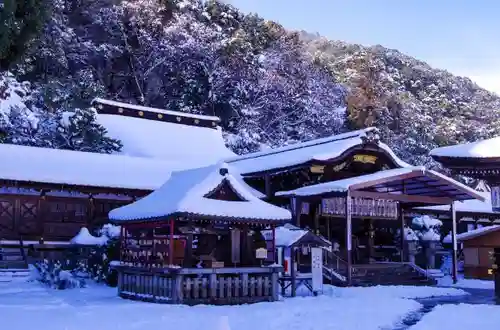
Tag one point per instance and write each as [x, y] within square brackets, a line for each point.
[84, 237]
[44, 165]
[467, 206]
[378, 179]
[288, 235]
[193, 145]
[473, 233]
[299, 153]
[489, 148]
[186, 192]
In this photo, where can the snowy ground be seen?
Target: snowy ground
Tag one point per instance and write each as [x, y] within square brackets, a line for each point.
[461, 317]
[26, 305]
[466, 283]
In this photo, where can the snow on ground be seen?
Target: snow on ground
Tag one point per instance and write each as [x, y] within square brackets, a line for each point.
[466, 283]
[461, 317]
[408, 292]
[98, 308]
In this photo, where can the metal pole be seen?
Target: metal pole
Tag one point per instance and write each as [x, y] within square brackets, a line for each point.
[454, 242]
[348, 237]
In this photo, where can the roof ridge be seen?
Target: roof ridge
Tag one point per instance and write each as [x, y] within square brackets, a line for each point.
[305, 144]
[138, 107]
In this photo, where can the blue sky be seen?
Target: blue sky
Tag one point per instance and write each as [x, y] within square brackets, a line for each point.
[461, 36]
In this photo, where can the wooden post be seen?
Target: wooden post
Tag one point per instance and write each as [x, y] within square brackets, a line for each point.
[348, 237]
[454, 242]
[171, 244]
[268, 187]
[314, 211]
[292, 271]
[297, 210]
[273, 246]
[90, 219]
[402, 240]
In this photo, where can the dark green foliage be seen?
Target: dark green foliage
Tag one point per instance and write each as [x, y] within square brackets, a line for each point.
[21, 21]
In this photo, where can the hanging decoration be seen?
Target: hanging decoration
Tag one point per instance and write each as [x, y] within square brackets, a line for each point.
[361, 207]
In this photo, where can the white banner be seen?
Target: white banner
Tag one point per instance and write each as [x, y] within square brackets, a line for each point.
[317, 269]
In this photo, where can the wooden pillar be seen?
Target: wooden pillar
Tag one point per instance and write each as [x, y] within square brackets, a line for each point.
[402, 241]
[171, 244]
[273, 245]
[348, 217]
[41, 213]
[454, 243]
[268, 187]
[293, 273]
[315, 215]
[297, 210]
[370, 241]
[188, 251]
[91, 214]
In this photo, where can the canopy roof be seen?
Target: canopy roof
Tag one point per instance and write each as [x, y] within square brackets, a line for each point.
[473, 233]
[194, 140]
[190, 194]
[472, 206]
[289, 235]
[408, 185]
[489, 148]
[325, 149]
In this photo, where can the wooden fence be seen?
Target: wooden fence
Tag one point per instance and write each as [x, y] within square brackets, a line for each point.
[191, 286]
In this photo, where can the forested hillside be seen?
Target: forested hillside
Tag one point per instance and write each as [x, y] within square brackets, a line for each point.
[270, 86]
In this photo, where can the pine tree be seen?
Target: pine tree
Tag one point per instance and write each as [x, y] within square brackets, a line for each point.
[80, 131]
[20, 22]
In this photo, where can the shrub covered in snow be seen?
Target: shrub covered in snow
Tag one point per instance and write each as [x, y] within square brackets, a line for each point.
[58, 275]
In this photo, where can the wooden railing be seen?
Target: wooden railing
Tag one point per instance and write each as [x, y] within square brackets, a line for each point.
[221, 286]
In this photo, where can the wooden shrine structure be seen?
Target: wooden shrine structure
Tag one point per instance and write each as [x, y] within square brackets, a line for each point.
[213, 207]
[48, 194]
[479, 160]
[361, 196]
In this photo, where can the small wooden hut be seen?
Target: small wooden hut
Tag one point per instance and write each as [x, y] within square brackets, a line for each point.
[195, 240]
[478, 249]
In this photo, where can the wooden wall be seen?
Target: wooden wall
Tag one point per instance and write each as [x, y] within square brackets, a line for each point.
[53, 218]
[478, 255]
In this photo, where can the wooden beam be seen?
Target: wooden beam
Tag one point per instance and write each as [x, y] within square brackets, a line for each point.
[454, 243]
[402, 198]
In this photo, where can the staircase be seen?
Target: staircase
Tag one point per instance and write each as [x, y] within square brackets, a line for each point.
[12, 256]
[379, 273]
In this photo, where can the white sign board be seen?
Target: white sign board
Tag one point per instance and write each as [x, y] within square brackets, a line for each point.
[317, 269]
[495, 198]
[261, 253]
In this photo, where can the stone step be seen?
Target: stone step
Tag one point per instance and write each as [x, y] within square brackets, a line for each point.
[4, 264]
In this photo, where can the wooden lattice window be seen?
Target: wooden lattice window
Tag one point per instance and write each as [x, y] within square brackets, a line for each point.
[7, 209]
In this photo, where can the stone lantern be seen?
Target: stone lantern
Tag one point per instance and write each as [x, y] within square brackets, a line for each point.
[411, 244]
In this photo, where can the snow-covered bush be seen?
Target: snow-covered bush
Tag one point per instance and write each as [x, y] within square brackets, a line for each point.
[60, 276]
[427, 228]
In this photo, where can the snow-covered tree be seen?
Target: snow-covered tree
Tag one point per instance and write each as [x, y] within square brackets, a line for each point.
[80, 131]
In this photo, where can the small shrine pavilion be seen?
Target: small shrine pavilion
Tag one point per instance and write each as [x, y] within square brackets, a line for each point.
[197, 239]
[370, 194]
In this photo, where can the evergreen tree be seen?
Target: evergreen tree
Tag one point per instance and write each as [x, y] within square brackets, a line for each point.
[80, 131]
[20, 22]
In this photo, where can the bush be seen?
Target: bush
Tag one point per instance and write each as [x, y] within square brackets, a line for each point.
[53, 274]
